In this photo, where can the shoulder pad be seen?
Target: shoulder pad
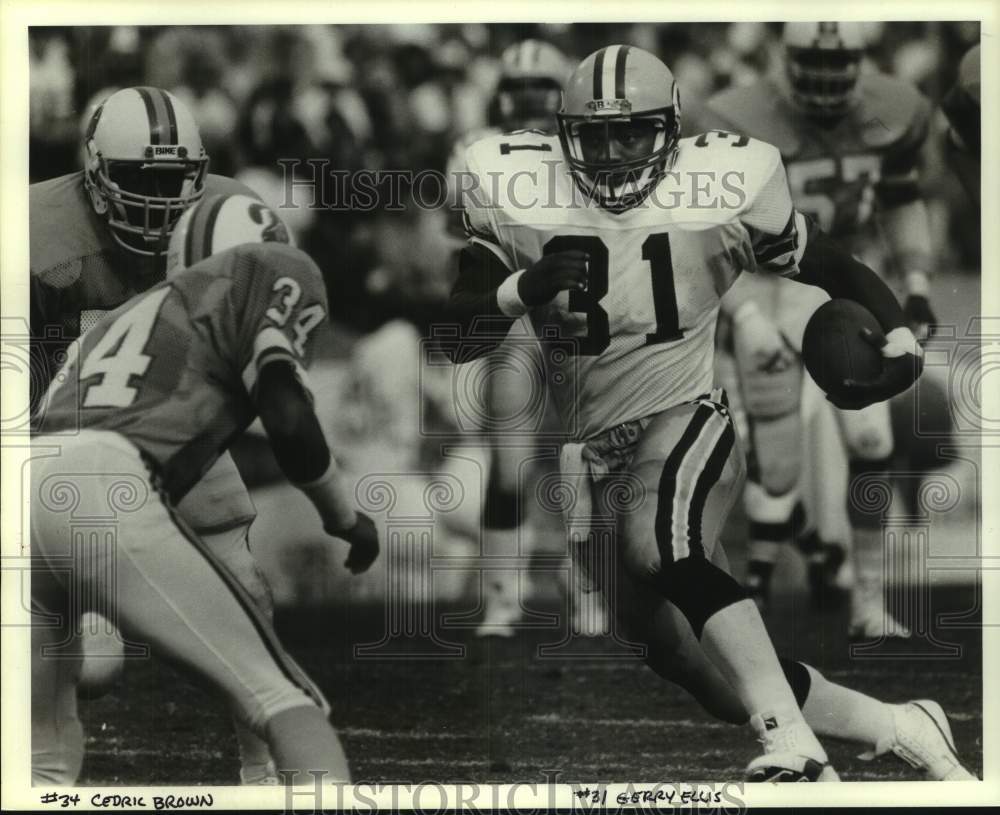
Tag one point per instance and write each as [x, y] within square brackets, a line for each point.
[726, 168]
[509, 174]
[62, 229]
[509, 153]
[760, 111]
[890, 111]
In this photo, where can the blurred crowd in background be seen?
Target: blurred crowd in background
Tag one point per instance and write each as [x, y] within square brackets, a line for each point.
[397, 97]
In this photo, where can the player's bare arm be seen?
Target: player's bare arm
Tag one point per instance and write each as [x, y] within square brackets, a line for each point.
[303, 454]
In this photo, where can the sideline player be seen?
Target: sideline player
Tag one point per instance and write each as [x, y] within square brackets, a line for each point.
[627, 260]
[97, 239]
[148, 400]
[528, 97]
[850, 141]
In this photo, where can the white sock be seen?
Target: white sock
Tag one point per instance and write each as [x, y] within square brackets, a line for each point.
[737, 642]
[842, 713]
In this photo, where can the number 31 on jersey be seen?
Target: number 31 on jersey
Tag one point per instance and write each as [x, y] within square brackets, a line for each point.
[656, 252]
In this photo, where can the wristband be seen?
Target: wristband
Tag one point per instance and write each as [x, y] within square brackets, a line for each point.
[508, 297]
[901, 341]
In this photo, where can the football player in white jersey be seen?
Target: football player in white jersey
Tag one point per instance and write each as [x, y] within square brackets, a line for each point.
[528, 97]
[617, 240]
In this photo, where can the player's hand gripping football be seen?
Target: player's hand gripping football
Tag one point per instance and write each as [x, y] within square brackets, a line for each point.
[902, 364]
[919, 316]
[551, 274]
[363, 538]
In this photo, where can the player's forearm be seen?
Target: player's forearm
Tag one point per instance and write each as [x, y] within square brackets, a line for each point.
[907, 228]
[830, 267]
[300, 445]
[481, 308]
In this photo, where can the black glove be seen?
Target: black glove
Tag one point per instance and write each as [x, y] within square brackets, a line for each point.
[553, 273]
[363, 537]
[902, 364]
[919, 316]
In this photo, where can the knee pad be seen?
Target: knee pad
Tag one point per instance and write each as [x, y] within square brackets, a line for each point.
[699, 589]
[798, 679]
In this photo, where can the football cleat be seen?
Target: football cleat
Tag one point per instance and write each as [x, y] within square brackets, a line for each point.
[871, 621]
[922, 738]
[788, 767]
[502, 609]
[264, 775]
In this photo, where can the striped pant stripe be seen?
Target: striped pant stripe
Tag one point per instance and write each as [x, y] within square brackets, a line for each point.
[689, 472]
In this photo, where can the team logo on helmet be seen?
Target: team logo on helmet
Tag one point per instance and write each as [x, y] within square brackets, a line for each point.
[218, 223]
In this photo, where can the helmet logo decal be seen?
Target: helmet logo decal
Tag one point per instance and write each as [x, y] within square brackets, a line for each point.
[618, 106]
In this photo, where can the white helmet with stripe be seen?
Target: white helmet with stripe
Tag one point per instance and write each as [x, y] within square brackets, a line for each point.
[619, 89]
[218, 223]
[145, 165]
[529, 93]
[823, 63]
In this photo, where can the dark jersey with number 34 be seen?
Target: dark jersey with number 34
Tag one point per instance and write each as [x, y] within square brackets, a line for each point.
[173, 370]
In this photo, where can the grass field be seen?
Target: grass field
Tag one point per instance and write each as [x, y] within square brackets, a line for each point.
[500, 713]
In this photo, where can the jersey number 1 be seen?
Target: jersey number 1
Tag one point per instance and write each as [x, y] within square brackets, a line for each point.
[656, 250]
[119, 355]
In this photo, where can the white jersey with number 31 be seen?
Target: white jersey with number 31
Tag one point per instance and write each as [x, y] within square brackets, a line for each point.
[641, 338]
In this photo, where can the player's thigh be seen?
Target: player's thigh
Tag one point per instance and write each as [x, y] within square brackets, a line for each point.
[169, 591]
[867, 432]
[691, 467]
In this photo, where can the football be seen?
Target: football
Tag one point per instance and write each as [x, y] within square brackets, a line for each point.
[834, 350]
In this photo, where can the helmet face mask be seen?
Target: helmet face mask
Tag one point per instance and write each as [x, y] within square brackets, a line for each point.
[823, 64]
[142, 201]
[529, 92]
[620, 126]
[529, 104]
[623, 158]
[145, 165]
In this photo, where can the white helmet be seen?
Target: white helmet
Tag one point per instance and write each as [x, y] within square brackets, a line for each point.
[218, 223]
[145, 165]
[823, 63]
[533, 74]
[620, 86]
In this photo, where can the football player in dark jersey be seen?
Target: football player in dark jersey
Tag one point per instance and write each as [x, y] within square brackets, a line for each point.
[97, 239]
[961, 105]
[147, 401]
[851, 142]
